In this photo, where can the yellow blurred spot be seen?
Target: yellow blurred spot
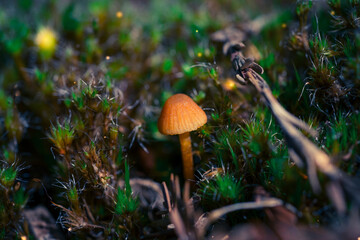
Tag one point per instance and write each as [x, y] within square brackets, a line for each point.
[283, 25]
[45, 39]
[69, 229]
[229, 84]
[107, 57]
[199, 54]
[332, 12]
[119, 14]
[196, 30]
[23, 238]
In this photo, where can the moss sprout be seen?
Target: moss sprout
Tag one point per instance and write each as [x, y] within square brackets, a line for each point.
[82, 85]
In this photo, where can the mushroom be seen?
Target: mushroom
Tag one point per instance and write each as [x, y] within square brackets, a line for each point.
[181, 115]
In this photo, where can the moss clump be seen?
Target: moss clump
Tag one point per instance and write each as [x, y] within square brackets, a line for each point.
[79, 105]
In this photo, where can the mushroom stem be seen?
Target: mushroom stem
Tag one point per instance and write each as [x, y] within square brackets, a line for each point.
[187, 157]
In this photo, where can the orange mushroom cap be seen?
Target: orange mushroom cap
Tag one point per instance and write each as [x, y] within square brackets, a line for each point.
[180, 114]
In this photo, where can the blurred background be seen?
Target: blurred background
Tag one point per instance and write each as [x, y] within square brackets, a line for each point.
[82, 84]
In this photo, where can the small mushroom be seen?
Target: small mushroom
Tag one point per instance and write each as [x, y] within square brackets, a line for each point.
[181, 115]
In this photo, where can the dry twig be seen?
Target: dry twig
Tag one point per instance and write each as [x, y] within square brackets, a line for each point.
[303, 151]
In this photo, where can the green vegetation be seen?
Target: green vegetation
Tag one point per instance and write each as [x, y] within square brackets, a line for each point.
[82, 84]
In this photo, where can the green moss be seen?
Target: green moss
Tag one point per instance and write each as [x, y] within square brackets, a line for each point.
[8, 176]
[20, 198]
[115, 65]
[125, 202]
[228, 187]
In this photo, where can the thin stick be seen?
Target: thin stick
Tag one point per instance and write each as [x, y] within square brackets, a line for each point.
[167, 196]
[217, 213]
